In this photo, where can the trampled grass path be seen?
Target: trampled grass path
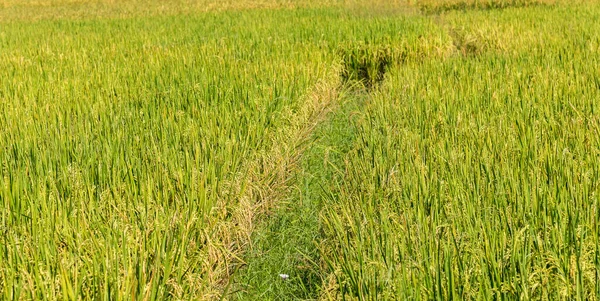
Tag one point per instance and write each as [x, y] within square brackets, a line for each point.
[267, 182]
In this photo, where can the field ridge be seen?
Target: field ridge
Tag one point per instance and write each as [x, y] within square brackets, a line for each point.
[268, 180]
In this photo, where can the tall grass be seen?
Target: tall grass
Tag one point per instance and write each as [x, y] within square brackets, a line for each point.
[129, 138]
[120, 136]
[126, 142]
[477, 177]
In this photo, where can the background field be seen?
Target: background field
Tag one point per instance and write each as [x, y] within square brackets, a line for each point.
[370, 150]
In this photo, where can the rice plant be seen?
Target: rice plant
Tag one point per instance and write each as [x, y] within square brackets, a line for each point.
[159, 149]
[476, 177]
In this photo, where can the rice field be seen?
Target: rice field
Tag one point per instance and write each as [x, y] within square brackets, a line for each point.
[299, 150]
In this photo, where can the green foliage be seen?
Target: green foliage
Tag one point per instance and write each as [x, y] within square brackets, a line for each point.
[477, 177]
[127, 138]
[120, 136]
[125, 142]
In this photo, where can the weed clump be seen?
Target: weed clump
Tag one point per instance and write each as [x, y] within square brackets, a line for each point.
[466, 44]
[365, 64]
